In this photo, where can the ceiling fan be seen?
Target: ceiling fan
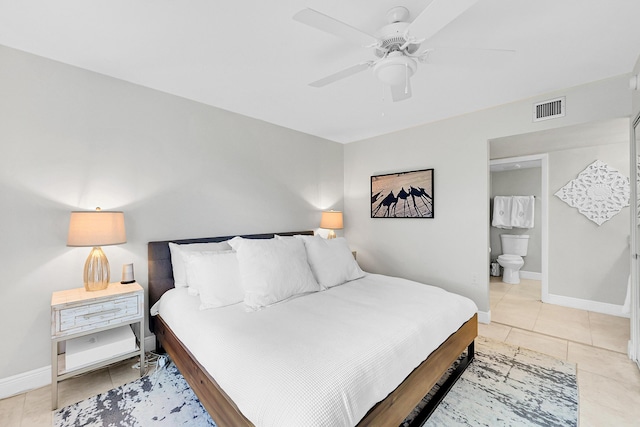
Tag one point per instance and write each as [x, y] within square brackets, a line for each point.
[396, 46]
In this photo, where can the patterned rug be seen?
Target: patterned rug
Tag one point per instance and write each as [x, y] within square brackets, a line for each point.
[508, 386]
[503, 386]
[163, 399]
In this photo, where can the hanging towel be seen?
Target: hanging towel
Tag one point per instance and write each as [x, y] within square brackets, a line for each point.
[522, 211]
[502, 212]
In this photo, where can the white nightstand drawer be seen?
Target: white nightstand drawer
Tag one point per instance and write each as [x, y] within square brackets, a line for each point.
[98, 314]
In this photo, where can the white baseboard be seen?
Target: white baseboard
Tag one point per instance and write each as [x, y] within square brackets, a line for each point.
[150, 343]
[484, 317]
[583, 304]
[531, 275]
[41, 377]
[25, 381]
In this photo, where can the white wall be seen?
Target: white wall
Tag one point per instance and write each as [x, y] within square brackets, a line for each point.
[451, 250]
[635, 107]
[587, 261]
[72, 139]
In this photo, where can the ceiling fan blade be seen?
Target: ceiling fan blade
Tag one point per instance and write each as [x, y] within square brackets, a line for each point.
[401, 92]
[354, 69]
[331, 25]
[464, 56]
[437, 15]
[472, 49]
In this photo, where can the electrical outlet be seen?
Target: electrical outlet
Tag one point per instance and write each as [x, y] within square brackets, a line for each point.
[474, 279]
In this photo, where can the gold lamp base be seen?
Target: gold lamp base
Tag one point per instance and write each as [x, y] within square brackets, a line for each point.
[96, 271]
[331, 235]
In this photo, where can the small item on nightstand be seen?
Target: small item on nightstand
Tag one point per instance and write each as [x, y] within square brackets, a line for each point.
[127, 274]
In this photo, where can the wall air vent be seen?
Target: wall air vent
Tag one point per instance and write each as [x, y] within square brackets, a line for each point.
[550, 109]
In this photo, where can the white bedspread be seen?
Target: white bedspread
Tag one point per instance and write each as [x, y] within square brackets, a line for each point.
[322, 359]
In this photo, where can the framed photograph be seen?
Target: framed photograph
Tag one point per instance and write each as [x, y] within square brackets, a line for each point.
[402, 195]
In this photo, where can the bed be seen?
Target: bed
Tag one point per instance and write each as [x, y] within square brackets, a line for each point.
[219, 393]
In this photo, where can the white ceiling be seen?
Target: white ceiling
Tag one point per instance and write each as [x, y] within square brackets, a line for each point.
[252, 58]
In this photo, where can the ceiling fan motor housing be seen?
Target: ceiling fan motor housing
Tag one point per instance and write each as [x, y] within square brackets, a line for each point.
[392, 38]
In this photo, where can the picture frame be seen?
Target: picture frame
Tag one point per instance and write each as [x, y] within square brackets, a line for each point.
[403, 194]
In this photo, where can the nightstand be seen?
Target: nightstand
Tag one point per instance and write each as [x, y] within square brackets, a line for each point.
[77, 313]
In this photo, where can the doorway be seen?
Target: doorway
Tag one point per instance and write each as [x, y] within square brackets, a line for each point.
[588, 268]
[538, 241]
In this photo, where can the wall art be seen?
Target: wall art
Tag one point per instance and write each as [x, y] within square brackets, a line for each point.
[402, 195]
[599, 192]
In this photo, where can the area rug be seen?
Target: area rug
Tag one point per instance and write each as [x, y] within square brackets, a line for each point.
[503, 386]
[163, 399]
[508, 386]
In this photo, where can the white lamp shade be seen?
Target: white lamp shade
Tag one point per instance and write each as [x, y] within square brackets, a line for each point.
[96, 228]
[331, 220]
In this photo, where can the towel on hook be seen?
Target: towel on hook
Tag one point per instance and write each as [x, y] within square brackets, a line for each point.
[502, 212]
[522, 211]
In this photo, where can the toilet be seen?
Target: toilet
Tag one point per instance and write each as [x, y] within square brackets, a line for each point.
[514, 247]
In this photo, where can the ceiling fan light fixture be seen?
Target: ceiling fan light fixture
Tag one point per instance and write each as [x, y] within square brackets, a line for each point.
[395, 69]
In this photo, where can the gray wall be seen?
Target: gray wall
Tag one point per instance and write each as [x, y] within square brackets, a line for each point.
[519, 182]
[635, 109]
[587, 261]
[72, 139]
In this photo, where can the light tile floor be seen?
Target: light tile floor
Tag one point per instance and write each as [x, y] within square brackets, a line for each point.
[608, 382]
[33, 409]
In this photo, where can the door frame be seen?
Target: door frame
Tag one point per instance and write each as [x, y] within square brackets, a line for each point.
[634, 341]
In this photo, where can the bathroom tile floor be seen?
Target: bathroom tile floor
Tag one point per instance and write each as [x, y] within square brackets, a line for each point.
[608, 382]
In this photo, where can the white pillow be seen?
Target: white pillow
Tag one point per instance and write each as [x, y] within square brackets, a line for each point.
[272, 270]
[331, 260]
[216, 275]
[178, 258]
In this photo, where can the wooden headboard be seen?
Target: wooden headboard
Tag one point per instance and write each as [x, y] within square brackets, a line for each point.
[161, 272]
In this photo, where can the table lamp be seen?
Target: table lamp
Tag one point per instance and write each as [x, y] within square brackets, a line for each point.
[95, 229]
[331, 220]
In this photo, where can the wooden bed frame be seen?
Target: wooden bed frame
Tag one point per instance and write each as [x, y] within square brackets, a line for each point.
[389, 412]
